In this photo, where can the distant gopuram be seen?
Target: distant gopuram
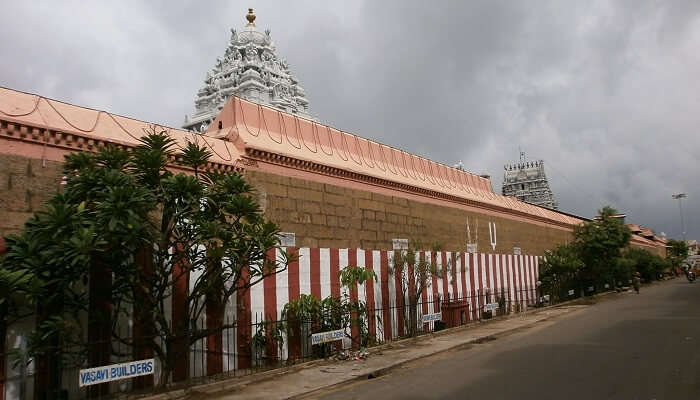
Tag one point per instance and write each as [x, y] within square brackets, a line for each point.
[527, 182]
[251, 70]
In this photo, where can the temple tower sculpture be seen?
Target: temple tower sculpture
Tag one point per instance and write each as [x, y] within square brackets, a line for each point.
[527, 181]
[249, 69]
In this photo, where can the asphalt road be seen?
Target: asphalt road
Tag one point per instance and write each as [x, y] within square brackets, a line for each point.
[626, 346]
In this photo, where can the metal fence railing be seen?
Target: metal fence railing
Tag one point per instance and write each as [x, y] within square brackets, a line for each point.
[251, 347]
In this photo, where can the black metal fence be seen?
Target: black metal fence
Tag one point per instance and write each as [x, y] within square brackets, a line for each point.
[259, 344]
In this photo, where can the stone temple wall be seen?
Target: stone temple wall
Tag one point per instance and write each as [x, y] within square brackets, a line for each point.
[325, 215]
[319, 214]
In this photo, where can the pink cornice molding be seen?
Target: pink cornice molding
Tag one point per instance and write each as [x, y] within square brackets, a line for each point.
[60, 127]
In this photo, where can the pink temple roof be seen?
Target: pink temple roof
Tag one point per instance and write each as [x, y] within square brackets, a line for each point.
[43, 112]
[253, 126]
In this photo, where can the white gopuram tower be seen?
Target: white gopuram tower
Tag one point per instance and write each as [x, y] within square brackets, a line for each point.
[527, 182]
[250, 69]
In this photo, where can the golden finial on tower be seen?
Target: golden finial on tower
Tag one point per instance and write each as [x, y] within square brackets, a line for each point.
[250, 17]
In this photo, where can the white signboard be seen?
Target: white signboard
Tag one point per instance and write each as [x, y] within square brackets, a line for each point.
[490, 306]
[432, 317]
[571, 292]
[516, 251]
[471, 247]
[325, 337]
[115, 372]
[287, 239]
[399, 244]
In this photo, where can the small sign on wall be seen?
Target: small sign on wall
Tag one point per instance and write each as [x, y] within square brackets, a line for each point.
[432, 317]
[399, 244]
[287, 239]
[471, 248]
[516, 251]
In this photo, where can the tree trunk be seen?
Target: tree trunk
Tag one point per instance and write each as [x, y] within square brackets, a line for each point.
[215, 320]
[413, 315]
[100, 324]
[143, 330]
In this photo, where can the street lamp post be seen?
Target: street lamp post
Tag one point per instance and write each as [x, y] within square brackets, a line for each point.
[680, 197]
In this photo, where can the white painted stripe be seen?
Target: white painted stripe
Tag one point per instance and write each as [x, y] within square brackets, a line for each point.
[282, 285]
[534, 278]
[497, 274]
[378, 300]
[458, 259]
[229, 336]
[492, 275]
[429, 288]
[197, 358]
[484, 282]
[361, 287]
[257, 300]
[344, 292]
[514, 273]
[391, 301]
[521, 274]
[531, 284]
[469, 262]
[342, 263]
[511, 277]
[451, 272]
[325, 260]
[506, 285]
[304, 270]
[442, 266]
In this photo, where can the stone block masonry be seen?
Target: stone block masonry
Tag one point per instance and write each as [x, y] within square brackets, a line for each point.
[25, 184]
[328, 215]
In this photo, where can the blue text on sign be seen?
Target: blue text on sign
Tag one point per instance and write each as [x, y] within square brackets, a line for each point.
[115, 372]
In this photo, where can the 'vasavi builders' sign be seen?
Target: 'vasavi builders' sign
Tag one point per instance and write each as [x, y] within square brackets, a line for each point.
[325, 337]
[115, 372]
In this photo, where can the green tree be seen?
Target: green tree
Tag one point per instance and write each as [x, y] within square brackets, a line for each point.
[358, 311]
[139, 230]
[415, 275]
[650, 266]
[677, 252]
[599, 243]
[560, 270]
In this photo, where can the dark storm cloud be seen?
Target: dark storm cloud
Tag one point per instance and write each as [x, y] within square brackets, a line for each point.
[605, 92]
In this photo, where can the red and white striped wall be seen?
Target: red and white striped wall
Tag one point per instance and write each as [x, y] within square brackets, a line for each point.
[316, 272]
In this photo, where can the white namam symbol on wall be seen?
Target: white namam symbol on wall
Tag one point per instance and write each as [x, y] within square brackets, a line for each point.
[492, 234]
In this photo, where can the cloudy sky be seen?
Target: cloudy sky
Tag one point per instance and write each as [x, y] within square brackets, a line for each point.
[607, 93]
